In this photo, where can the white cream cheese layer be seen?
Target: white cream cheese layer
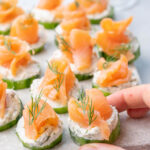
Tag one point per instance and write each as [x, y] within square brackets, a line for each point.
[34, 89]
[50, 135]
[133, 82]
[42, 38]
[59, 30]
[24, 72]
[5, 27]
[44, 15]
[13, 107]
[96, 16]
[93, 133]
[87, 71]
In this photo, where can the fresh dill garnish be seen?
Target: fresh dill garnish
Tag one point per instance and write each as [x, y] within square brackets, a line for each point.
[90, 113]
[65, 44]
[123, 48]
[77, 4]
[34, 111]
[8, 45]
[86, 104]
[60, 76]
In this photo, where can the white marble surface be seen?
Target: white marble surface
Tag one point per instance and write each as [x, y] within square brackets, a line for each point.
[134, 132]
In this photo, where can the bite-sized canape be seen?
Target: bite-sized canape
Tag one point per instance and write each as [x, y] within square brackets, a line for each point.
[40, 127]
[26, 28]
[113, 76]
[49, 13]
[92, 119]
[96, 10]
[58, 84]
[10, 107]
[8, 12]
[79, 51]
[115, 40]
[74, 18]
[16, 65]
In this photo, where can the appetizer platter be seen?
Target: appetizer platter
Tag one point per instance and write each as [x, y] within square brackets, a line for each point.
[60, 98]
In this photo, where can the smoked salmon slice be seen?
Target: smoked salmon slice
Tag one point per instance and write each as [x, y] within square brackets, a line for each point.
[113, 39]
[9, 11]
[13, 53]
[3, 87]
[48, 4]
[58, 80]
[23, 26]
[81, 48]
[115, 74]
[102, 111]
[93, 6]
[46, 118]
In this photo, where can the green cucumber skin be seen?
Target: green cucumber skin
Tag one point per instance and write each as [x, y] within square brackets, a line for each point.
[13, 122]
[110, 15]
[82, 77]
[104, 92]
[49, 25]
[137, 54]
[61, 110]
[21, 84]
[5, 32]
[37, 50]
[81, 141]
[54, 143]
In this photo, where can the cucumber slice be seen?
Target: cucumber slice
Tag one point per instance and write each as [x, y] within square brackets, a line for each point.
[49, 25]
[6, 32]
[13, 122]
[61, 110]
[104, 92]
[21, 84]
[82, 77]
[51, 145]
[136, 54]
[109, 15]
[81, 141]
[36, 50]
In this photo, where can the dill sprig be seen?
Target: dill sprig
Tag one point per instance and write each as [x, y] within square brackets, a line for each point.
[90, 113]
[65, 44]
[60, 76]
[86, 104]
[34, 111]
[8, 45]
[123, 48]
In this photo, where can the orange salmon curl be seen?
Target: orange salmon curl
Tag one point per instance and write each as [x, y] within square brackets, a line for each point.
[9, 11]
[102, 111]
[49, 4]
[93, 6]
[25, 27]
[13, 53]
[58, 71]
[46, 118]
[114, 73]
[3, 87]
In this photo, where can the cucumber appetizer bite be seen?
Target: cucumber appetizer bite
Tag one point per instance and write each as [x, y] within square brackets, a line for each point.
[92, 119]
[16, 65]
[114, 76]
[26, 28]
[40, 127]
[74, 18]
[115, 40]
[96, 10]
[49, 13]
[10, 107]
[8, 12]
[57, 85]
